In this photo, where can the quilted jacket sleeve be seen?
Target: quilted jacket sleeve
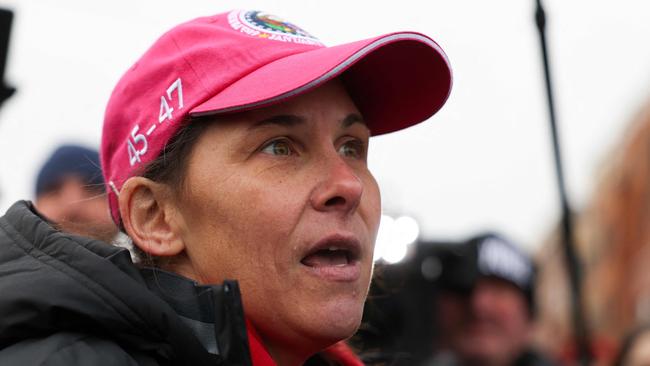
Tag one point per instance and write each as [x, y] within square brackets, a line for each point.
[63, 349]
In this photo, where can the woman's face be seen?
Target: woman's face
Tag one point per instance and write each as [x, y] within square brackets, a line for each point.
[281, 200]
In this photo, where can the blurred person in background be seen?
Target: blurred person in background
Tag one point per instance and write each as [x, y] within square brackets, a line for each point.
[613, 241]
[70, 192]
[635, 349]
[485, 306]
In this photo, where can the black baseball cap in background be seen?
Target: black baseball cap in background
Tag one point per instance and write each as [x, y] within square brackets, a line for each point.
[488, 255]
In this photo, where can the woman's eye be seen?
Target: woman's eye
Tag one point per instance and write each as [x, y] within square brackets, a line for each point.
[278, 147]
[353, 149]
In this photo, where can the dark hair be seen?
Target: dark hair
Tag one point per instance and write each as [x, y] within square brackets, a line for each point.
[170, 167]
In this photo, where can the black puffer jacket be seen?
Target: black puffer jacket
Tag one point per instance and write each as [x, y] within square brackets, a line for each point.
[69, 300]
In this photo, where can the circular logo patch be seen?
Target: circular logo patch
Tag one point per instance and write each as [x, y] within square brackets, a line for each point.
[264, 25]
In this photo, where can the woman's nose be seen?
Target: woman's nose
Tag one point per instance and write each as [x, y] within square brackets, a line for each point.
[339, 189]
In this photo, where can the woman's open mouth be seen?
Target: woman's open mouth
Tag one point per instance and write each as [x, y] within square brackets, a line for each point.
[335, 258]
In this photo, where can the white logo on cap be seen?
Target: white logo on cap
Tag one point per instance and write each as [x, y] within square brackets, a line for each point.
[497, 258]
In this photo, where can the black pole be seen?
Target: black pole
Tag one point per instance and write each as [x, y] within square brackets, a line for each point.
[6, 18]
[572, 261]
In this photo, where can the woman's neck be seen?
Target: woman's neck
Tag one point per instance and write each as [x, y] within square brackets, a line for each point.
[265, 353]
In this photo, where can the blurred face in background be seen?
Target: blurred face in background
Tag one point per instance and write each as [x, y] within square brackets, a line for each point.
[77, 208]
[488, 326]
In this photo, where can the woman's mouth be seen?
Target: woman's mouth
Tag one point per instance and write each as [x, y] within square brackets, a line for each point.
[335, 258]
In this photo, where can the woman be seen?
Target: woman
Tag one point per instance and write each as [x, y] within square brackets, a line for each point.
[233, 149]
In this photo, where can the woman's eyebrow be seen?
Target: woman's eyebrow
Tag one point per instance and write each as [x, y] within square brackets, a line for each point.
[287, 120]
[351, 119]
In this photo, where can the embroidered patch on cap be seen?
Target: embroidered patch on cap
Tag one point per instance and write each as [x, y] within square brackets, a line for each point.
[263, 25]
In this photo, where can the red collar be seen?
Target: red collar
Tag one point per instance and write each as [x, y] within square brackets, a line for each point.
[259, 355]
[339, 352]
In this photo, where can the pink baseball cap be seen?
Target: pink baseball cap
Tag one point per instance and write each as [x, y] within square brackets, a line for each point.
[244, 60]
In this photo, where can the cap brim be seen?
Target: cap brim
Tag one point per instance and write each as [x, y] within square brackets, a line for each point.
[396, 80]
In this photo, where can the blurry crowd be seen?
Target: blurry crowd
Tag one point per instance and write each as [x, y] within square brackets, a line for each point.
[480, 300]
[461, 303]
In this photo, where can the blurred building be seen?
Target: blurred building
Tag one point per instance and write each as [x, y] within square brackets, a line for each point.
[613, 240]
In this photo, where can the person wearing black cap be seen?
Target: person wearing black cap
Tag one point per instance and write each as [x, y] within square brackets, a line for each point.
[70, 192]
[486, 306]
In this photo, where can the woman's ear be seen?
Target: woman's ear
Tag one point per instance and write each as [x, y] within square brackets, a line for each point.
[149, 217]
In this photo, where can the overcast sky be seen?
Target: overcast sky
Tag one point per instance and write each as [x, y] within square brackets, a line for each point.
[484, 162]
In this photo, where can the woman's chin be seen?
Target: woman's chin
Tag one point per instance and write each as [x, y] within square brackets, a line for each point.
[334, 323]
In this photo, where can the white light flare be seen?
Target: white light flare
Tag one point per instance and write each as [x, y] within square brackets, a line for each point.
[394, 237]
